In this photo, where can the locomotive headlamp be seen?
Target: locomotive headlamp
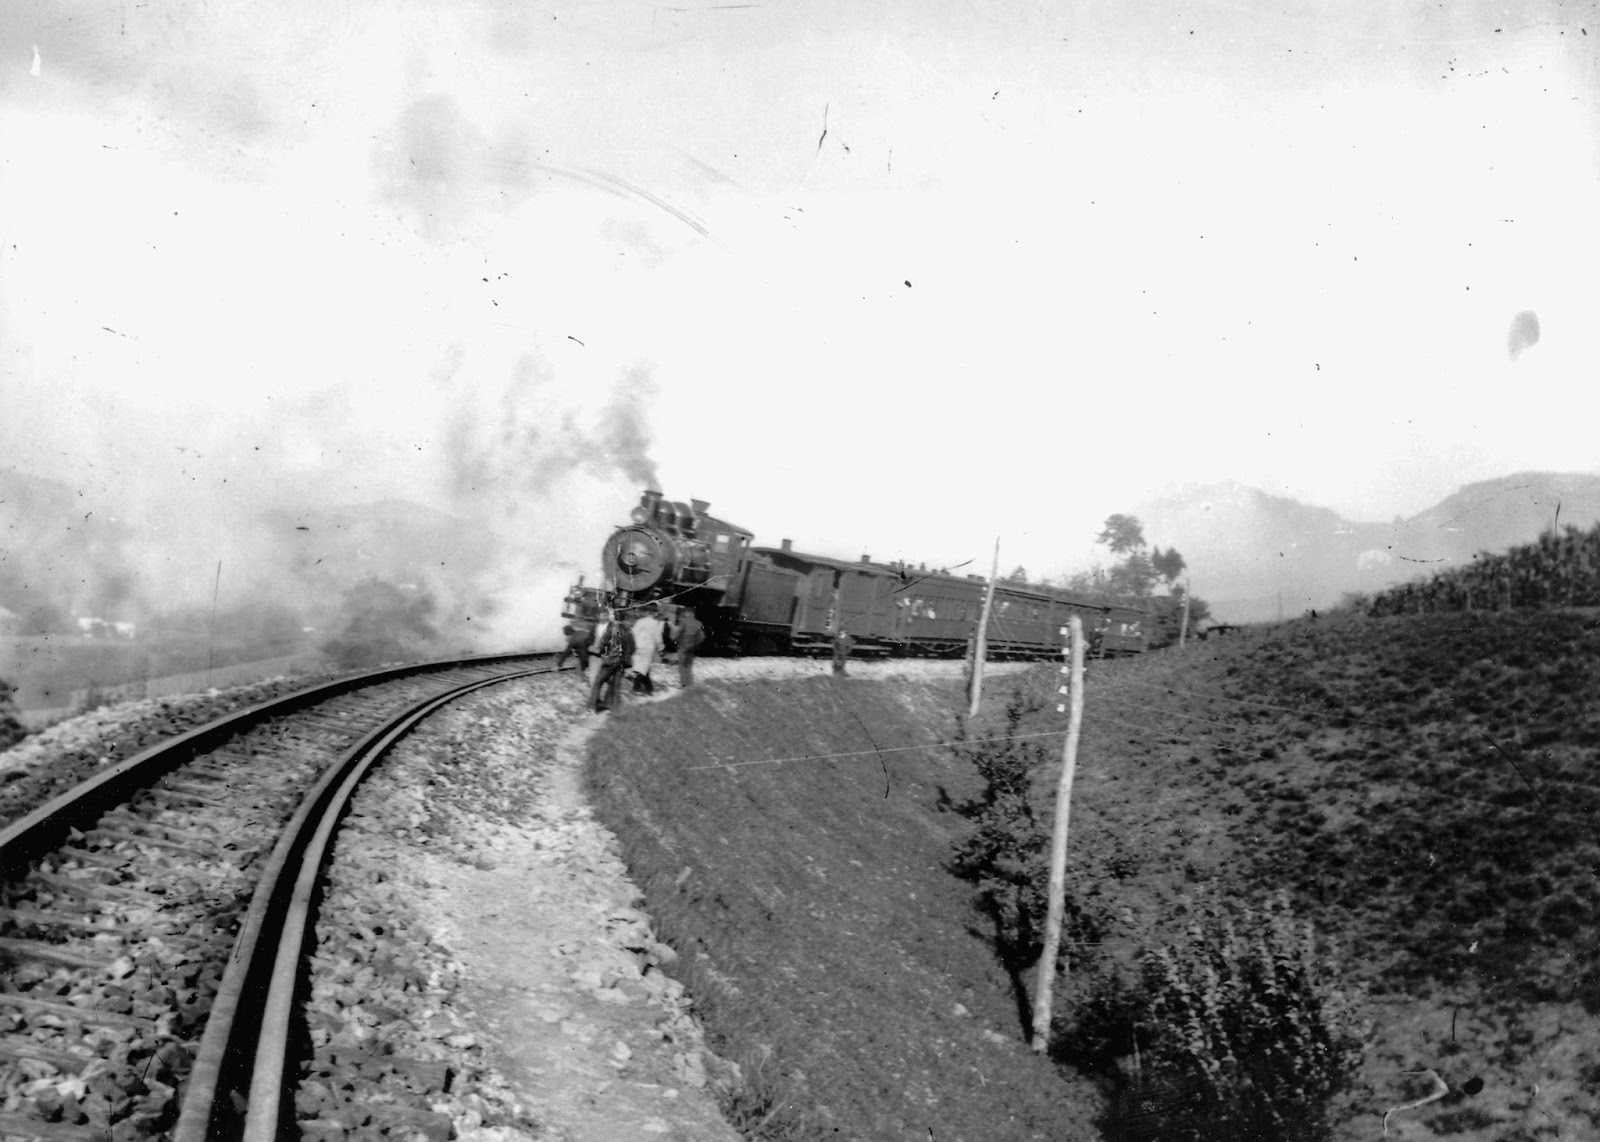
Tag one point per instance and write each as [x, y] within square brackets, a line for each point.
[639, 514]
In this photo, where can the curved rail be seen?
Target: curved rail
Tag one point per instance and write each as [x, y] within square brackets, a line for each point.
[36, 833]
[255, 999]
[222, 1066]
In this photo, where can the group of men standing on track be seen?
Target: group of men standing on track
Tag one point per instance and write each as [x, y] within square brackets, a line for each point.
[628, 643]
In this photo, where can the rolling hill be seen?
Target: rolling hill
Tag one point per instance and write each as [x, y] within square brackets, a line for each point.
[1254, 556]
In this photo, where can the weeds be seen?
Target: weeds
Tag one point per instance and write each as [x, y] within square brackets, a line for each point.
[1245, 1008]
[1236, 1029]
[11, 728]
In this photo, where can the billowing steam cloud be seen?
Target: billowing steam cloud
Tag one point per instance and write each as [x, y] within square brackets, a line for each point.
[548, 479]
[529, 443]
[505, 512]
[624, 436]
[1524, 333]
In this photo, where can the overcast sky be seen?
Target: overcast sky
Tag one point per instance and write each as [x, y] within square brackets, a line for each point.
[887, 277]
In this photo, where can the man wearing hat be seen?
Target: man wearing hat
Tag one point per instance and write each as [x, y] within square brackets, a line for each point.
[614, 647]
[689, 634]
[579, 632]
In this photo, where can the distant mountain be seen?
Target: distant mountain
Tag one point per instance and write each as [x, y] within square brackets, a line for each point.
[1247, 549]
[63, 554]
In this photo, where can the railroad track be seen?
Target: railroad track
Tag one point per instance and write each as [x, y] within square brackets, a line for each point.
[154, 919]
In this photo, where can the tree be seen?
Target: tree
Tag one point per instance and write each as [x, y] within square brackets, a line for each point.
[1168, 564]
[1135, 576]
[1166, 618]
[1095, 581]
[1019, 574]
[1122, 533]
[11, 728]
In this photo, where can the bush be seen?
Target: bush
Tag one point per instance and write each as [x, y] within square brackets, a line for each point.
[11, 728]
[1004, 852]
[1006, 856]
[1241, 1014]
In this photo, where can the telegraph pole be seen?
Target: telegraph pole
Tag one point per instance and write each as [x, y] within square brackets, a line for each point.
[1183, 626]
[981, 646]
[1058, 844]
[211, 636]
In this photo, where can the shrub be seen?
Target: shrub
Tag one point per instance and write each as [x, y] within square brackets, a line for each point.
[11, 728]
[1006, 855]
[1003, 853]
[1242, 1014]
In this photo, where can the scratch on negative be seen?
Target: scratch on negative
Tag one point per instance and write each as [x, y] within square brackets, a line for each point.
[1440, 1089]
[824, 134]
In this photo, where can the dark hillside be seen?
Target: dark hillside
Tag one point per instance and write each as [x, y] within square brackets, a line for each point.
[1444, 790]
[826, 945]
[1425, 788]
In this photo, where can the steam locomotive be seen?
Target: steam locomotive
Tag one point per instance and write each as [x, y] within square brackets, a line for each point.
[775, 600]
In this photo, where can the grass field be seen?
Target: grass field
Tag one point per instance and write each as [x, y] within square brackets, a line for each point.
[1423, 788]
[827, 947]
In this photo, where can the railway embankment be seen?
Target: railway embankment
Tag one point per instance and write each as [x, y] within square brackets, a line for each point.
[792, 841]
[1400, 815]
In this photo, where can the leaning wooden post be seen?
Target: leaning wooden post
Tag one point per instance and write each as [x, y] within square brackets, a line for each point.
[981, 647]
[1183, 625]
[1058, 846]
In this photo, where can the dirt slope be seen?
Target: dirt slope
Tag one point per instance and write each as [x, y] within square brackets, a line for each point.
[829, 951]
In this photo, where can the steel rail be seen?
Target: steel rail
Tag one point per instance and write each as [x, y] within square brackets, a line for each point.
[281, 904]
[45, 828]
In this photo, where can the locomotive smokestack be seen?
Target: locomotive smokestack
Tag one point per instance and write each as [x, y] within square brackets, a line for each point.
[866, 559]
[788, 544]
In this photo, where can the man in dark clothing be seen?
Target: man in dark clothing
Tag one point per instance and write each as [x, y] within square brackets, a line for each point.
[842, 642]
[688, 634]
[578, 633]
[614, 645]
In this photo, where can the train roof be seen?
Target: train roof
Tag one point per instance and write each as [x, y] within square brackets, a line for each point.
[914, 575]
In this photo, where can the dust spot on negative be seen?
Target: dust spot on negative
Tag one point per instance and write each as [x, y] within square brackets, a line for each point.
[1524, 333]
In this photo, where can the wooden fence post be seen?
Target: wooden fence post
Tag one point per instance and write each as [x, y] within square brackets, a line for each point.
[1043, 988]
[981, 647]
